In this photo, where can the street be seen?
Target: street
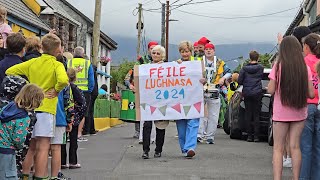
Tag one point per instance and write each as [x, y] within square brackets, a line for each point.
[114, 154]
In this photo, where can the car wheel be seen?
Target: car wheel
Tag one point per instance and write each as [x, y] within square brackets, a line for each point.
[270, 132]
[235, 133]
[226, 127]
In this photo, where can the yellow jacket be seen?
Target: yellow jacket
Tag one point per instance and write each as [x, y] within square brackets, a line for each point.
[46, 72]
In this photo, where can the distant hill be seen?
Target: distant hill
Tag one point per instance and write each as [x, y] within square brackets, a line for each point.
[127, 50]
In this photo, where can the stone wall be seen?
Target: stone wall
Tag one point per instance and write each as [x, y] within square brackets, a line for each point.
[65, 30]
[82, 29]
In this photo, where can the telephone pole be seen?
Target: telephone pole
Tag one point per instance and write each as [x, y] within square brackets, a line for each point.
[96, 31]
[167, 31]
[163, 26]
[139, 27]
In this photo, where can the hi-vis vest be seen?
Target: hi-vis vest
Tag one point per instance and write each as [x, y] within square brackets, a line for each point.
[192, 58]
[82, 76]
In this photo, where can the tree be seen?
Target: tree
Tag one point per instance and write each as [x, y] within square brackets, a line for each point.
[118, 73]
[263, 60]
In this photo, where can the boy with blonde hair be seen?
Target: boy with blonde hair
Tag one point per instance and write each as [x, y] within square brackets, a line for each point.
[51, 76]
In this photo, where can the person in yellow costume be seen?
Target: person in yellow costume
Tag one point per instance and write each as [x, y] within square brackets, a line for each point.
[233, 85]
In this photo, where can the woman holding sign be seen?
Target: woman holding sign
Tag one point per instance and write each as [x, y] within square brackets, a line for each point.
[158, 55]
[187, 128]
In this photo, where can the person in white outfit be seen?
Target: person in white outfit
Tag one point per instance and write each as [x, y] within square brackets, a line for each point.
[216, 74]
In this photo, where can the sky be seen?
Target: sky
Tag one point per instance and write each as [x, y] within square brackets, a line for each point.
[118, 19]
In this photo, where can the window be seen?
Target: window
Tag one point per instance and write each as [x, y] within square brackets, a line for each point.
[313, 13]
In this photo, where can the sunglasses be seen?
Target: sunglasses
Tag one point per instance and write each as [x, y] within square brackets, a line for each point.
[157, 53]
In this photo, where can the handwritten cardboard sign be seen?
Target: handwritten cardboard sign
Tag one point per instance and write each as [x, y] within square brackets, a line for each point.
[169, 91]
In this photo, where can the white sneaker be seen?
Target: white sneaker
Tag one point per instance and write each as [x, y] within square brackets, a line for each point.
[287, 163]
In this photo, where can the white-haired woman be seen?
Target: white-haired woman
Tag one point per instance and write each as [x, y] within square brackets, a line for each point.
[158, 55]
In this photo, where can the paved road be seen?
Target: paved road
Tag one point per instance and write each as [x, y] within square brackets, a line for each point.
[114, 154]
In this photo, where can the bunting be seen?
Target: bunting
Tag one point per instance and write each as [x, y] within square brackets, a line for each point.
[143, 105]
[186, 109]
[163, 110]
[177, 107]
[198, 106]
[152, 109]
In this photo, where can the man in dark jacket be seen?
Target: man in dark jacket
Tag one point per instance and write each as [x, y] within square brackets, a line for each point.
[250, 77]
[15, 46]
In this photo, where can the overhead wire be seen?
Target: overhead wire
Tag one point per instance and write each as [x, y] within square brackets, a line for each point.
[199, 2]
[239, 17]
[180, 5]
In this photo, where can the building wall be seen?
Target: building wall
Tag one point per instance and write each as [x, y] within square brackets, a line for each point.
[66, 30]
[84, 39]
[81, 35]
[26, 32]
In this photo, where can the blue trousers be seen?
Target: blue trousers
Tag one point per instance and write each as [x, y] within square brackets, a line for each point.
[310, 145]
[187, 132]
[8, 167]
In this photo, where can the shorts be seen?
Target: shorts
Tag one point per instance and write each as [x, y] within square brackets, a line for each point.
[45, 125]
[8, 169]
[60, 136]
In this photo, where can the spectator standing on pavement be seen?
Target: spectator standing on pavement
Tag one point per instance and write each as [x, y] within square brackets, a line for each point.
[299, 32]
[310, 139]
[85, 81]
[5, 29]
[33, 48]
[94, 95]
[250, 77]
[50, 75]
[290, 103]
[15, 45]
[75, 111]
[3, 51]
[14, 126]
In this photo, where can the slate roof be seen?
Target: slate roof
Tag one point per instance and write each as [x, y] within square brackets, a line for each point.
[54, 7]
[19, 10]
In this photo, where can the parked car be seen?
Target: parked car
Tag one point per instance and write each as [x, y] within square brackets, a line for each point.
[235, 123]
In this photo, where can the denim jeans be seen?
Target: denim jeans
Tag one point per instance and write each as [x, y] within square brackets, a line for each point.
[187, 132]
[310, 145]
[8, 169]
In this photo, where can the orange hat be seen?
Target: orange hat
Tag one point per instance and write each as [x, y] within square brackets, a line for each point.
[195, 44]
[152, 43]
[203, 41]
[209, 45]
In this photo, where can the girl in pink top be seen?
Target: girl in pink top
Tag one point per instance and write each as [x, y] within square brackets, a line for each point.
[310, 138]
[290, 82]
[5, 29]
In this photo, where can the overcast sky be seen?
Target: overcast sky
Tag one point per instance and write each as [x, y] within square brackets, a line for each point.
[118, 19]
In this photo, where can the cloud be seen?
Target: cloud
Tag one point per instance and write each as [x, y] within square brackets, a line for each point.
[118, 19]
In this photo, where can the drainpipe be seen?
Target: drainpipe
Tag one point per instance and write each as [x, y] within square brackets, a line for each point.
[306, 14]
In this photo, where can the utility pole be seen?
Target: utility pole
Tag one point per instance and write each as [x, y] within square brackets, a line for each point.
[163, 26]
[139, 27]
[96, 31]
[167, 31]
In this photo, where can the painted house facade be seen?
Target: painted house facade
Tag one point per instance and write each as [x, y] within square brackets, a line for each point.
[23, 16]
